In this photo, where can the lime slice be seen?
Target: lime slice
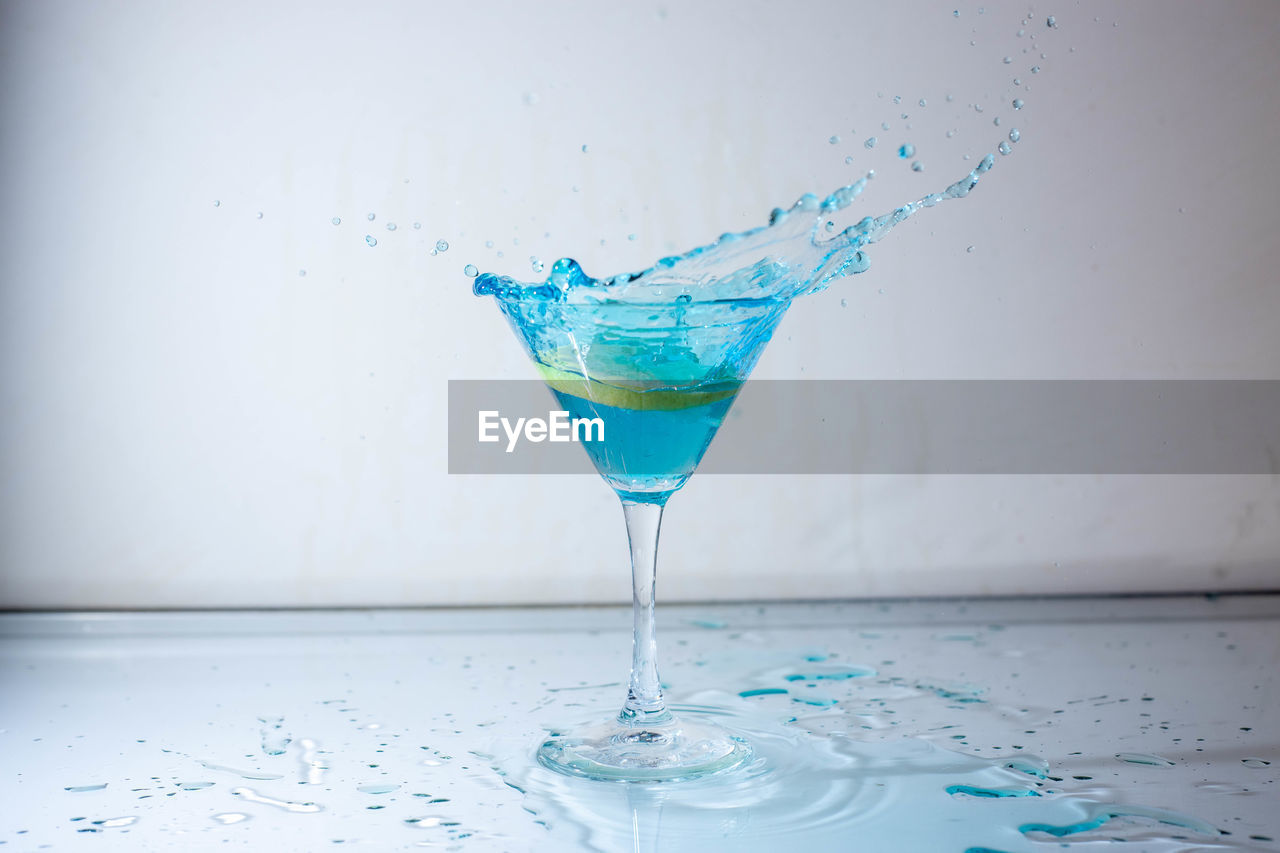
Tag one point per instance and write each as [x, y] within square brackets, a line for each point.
[642, 395]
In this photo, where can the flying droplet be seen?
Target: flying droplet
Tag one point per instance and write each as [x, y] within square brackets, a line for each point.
[1005, 148]
[1052, 22]
[371, 240]
[217, 203]
[834, 140]
[488, 244]
[417, 226]
[906, 150]
[1007, 60]
[1015, 135]
[372, 216]
[848, 161]
[871, 142]
[917, 166]
[302, 273]
[535, 264]
[584, 148]
[470, 271]
[969, 250]
[337, 220]
[923, 102]
[1035, 69]
[631, 237]
[844, 303]
[259, 214]
[1018, 103]
[391, 226]
[442, 245]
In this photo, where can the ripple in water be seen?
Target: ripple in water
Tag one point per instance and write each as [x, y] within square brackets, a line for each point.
[906, 796]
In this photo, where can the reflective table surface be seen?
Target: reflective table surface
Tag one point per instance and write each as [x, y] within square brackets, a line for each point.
[1145, 723]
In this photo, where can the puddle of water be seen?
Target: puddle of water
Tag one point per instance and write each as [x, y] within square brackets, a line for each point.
[902, 795]
[296, 808]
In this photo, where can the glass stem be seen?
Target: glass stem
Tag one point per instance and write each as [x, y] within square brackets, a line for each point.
[645, 705]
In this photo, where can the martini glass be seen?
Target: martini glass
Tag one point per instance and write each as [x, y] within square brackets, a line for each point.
[658, 356]
[660, 371]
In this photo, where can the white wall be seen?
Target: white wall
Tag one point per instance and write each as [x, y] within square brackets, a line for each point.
[189, 421]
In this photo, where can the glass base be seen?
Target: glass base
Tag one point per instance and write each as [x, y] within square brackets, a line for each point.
[672, 751]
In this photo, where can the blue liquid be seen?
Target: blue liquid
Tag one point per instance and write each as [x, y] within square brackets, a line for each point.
[647, 453]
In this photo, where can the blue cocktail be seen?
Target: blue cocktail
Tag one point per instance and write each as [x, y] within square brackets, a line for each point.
[658, 357]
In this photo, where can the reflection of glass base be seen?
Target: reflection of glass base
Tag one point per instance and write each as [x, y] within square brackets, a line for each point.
[670, 752]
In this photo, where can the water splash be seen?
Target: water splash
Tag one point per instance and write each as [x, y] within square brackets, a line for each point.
[787, 258]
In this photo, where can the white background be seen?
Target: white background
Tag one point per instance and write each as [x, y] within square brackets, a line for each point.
[190, 421]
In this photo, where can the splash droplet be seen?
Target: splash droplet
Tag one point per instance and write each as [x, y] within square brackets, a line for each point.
[377, 789]
[371, 240]
[228, 818]
[442, 245]
[470, 271]
[1145, 759]
[535, 263]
